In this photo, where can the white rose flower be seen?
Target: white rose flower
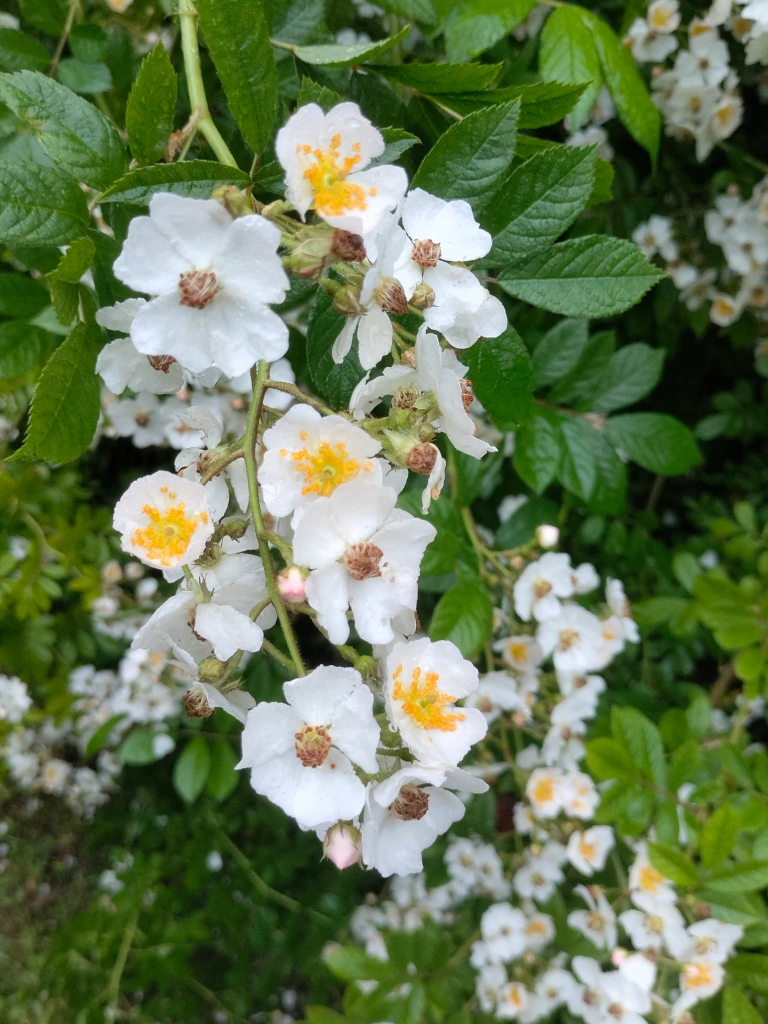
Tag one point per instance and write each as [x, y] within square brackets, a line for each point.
[503, 930]
[700, 978]
[164, 520]
[440, 234]
[546, 791]
[301, 753]
[14, 699]
[308, 456]
[644, 878]
[541, 584]
[598, 923]
[140, 418]
[656, 924]
[588, 850]
[363, 554]
[212, 277]
[402, 819]
[574, 638]
[324, 156]
[424, 679]
[122, 366]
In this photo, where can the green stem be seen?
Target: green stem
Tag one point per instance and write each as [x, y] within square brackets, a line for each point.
[277, 654]
[258, 883]
[116, 976]
[197, 97]
[71, 12]
[291, 389]
[260, 378]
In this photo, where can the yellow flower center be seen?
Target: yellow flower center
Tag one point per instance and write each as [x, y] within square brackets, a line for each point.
[536, 928]
[424, 703]
[587, 850]
[169, 531]
[543, 792]
[325, 467]
[698, 974]
[519, 652]
[326, 174]
[660, 18]
[650, 879]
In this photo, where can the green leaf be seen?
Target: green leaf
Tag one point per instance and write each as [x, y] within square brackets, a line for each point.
[39, 205]
[577, 471]
[537, 451]
[559, 351]
[335, 382]
[151, 106]
[337, 56]
[579, 385]
[237, 36]
[82, 76]
[476, 478]
[472, 157]
[567, 53]
[440, 78]
[539, 201]
[520, 528]
[673, 864]
[21, 297]
[718, 836]
[686, 569]
[139, 748]
[610, 489]
[750, 969]
[477, 25]
[99, 739]
[745, 877]
[73, 133]
[191, 770]
[313, 92]
[632, 372]
[66, 299]
[222, 777]
[396, 142]
[541, 104]
[592, 276]
[737, 1008]
[192, 178]
[444, 551]
[75, 261]
[633, 104]
[602, 191]
[65, 408]
[322, 1015]
[501, 374]
[352, 964]
[655, 441]
[608, 759]
[89, 42]
[463, 615]
[20, 52]
[47, 16]
[415, 10]
[643, 740]
[22, 347]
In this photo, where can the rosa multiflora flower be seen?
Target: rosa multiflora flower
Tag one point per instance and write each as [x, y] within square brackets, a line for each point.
[324, 157]
[164, 520]
[301, 754]
[122, 366]
[212, 278]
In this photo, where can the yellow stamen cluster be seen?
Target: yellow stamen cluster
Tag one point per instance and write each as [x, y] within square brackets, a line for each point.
[326, 174]
[325, 468]
[169, 531]
[424, 703]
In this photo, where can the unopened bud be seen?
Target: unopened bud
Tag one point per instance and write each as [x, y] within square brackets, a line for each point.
[517, 562]
[547, 536]
[233, 200]
[196, 704]
[234, 528]
[390, 295]
[211, 670]
[343, 846]
[423, 297]
[346, 300]
[703, 909]
[310, 257]
[618, 956]
[421, 458]
[291, 584]
[347, 246]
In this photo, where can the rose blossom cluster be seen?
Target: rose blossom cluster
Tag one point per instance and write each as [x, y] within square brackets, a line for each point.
[296, 482]
[739, 281]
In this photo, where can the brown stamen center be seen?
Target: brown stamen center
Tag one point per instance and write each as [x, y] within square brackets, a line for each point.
[363, 561]
[197, 288]
[411, 803]
[426, 252]
[313, 743]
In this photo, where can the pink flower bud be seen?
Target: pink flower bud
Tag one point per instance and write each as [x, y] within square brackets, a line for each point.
[292, 584]
[618, 956]
[547, 536]
[342, 846]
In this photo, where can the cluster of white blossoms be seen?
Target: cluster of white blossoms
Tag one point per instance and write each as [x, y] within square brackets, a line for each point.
[739, 228]
[699, 95]
[46, 755]
[319, 488]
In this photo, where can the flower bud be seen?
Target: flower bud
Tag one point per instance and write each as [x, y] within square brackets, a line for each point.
[310, 257]
[618, 956]
[234, 528]
[346, 300]
[547, 536]
[342, 846]
[291, 584]
[232, 199]
[423, 297]
[211, 670]
[347, 246]
[390, 295]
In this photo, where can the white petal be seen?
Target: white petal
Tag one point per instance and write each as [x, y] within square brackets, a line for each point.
[148, 262]
[328, 594]
[194, 228]
[120, 316]
[375, 337]
[343, 342]
[249, 262]
[228, 630]
[270, 731]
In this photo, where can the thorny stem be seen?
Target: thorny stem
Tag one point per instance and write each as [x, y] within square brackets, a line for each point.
[260, 377]
[197, 97]
[215, 469]
[258, 883]
[277, 654]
